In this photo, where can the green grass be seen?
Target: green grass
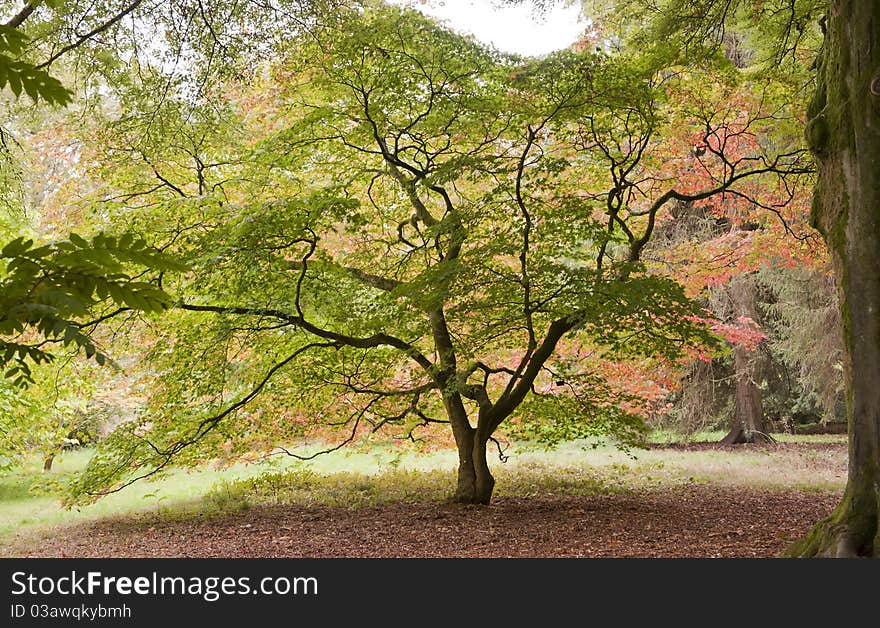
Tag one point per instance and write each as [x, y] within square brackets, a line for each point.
[359, 490]
[29, 498]
[715, 436]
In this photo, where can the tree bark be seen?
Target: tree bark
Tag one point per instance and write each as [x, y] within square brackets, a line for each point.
[475, 482]
[484, 483]
[748, 413]
[464, 441]
[843, 130]
[466, 485]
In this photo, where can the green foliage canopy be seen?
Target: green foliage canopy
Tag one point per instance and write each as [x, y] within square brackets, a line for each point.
[395, 226]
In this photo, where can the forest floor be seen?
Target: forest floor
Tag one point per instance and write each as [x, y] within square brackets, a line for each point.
[751, 507]
[695, 521]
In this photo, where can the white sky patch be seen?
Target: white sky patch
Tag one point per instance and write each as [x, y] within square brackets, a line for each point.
[515, 29]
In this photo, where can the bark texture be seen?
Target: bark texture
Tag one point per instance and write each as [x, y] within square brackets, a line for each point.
[748, 415]
[475, 482]
[843, 130]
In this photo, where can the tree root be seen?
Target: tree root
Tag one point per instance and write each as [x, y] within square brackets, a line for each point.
[739, 436]
[847, 533]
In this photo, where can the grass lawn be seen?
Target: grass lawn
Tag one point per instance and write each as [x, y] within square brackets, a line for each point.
[29, 498]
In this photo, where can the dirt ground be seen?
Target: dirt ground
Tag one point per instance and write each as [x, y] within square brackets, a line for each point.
[690, 521]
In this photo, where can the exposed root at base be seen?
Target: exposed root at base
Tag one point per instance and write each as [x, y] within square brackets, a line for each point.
[841, 535]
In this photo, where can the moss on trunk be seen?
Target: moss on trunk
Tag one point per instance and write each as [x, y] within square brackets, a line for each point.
[844, 133]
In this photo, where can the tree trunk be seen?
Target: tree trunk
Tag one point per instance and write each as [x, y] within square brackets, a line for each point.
[843, 130]
[748, 413]
[47, 462]
[465, 488]
[484, 483]
[475, 482]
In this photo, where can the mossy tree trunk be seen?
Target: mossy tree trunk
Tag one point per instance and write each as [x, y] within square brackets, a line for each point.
[748, 413]
[843, 129]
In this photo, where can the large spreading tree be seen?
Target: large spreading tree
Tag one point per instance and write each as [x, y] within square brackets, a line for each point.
[396, 226]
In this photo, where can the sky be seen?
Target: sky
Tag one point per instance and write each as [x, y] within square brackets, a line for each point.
[511, 29]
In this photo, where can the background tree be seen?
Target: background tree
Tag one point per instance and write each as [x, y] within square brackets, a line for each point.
[748, 411]
[803, 319]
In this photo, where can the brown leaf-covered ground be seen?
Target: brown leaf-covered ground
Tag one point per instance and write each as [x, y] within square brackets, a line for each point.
[699, 520]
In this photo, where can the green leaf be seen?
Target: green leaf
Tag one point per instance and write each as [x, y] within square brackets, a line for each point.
[12, 40]
[16, 247]
[79, 241]
[14, 80]
[70, 334]
[31, 89]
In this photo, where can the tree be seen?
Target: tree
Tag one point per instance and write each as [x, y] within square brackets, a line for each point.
[395, 231]
[715, 246]
[843, 134]
[748, 411]
[805, 338]
[794, 356]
